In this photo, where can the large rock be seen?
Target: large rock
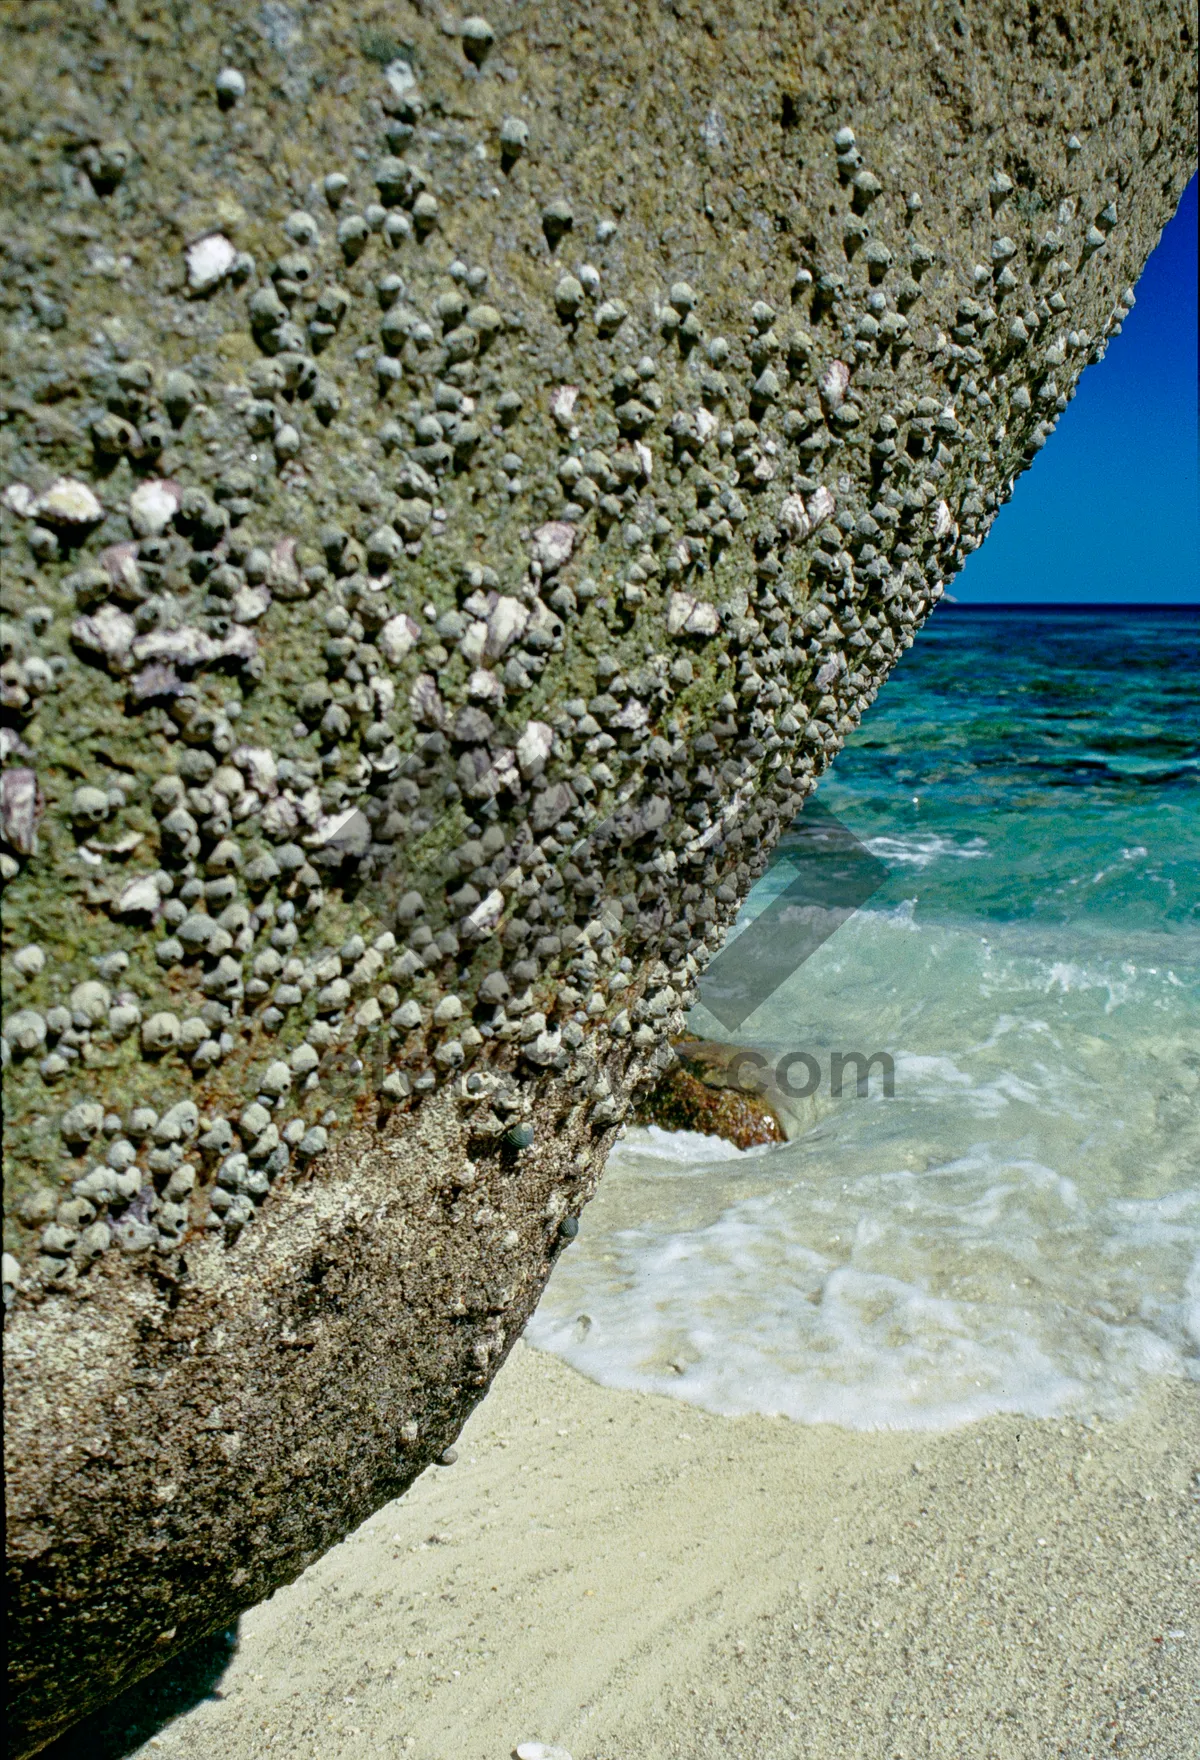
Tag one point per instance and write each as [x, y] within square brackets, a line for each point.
[463, 482]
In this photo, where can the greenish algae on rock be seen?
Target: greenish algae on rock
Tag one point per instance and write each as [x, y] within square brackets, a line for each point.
[692, 1096]
[462, 482]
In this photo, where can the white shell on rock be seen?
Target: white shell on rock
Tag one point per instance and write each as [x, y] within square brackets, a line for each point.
[486, 914]
[160, 1031]
[19, 810]
[706, 424]
[473, 646]
[482, 685]
[120, 563]
[691, 617]
[68, 502]
[187, 646]
[194, 647]
[258, 763]
[280, 817]
[138, 897]
[26, 1029]
[400, 77]
[249, 604]
[635, 715]
[821, 505]
[562, 404]
[540, 1751]
[348, 828]
[833, 385]
[282, 573]
[504, 772]
[109, 632]
[553, 544]
[425, 702]
[153, 505]
[533, 747]
[793, 517]
[507, 620]
[239, 644]
[209, 261]
[396, 638]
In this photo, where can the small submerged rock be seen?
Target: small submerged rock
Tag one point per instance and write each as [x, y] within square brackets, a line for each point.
[693, 1097]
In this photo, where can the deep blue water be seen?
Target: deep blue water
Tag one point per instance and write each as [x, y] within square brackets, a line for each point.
[1064, 739]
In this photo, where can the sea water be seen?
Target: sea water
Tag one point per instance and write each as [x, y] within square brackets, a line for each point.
[1017, 1228]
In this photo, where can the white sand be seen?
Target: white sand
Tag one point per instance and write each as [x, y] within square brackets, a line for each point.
[631, 1577]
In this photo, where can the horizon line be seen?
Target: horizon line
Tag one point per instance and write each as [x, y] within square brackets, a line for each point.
[1071, 604]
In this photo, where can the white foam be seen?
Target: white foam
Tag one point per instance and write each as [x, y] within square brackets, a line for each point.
[902, 1300]
[689, 1151]
[1192, 1300]
[922, 850]
[1017, 1230]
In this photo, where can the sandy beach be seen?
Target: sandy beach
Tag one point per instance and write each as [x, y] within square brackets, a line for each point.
[630, 1577]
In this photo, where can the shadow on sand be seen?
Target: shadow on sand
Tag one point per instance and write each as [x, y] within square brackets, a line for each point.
[145, 1709]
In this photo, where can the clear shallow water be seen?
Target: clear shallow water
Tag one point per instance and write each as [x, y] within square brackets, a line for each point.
[1018, 1228]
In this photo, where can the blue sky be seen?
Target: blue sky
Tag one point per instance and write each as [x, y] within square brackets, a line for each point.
[1109, 509]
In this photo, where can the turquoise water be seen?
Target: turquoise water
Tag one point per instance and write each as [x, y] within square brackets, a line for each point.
[1018, 1227]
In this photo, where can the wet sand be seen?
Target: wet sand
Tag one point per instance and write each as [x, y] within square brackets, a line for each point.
[630, 1577]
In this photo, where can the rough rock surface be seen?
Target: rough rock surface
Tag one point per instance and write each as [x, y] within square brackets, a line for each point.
[463, 479]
